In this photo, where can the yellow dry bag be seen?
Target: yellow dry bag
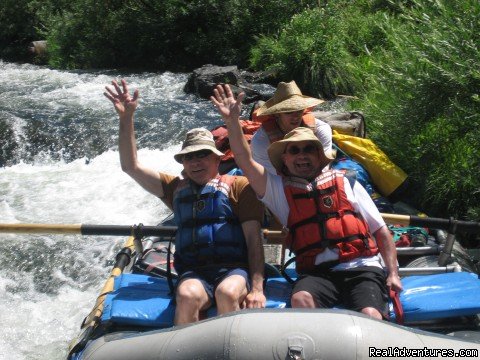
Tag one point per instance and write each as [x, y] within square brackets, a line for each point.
[385, 175]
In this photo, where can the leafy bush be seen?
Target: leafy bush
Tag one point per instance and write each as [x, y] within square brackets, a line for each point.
[420, 94]
[18, 28]
[316, 46]
[163, 35]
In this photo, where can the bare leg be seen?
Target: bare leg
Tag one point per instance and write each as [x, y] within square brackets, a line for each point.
[303, 299]
[374, 313]
[230, 293]
[191, 299]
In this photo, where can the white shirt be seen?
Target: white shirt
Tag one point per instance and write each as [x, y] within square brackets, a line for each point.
[276, 200]
[260, 143]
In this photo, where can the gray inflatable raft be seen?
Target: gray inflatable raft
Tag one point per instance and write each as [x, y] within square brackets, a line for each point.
[282, 334]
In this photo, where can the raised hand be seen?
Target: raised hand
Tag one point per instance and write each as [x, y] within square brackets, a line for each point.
[225, 101]
[123, 102]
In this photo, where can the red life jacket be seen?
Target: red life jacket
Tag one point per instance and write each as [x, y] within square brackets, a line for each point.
[321, 216]
[270, 126]
[222, 143]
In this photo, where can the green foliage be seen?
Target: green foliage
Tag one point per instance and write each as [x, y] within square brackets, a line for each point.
[17, 29]
[420, 94]
[316, 46]
[162, 35]
[24, 21]
[142, 34]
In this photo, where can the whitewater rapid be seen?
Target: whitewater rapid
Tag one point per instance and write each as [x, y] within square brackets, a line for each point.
[62, 167]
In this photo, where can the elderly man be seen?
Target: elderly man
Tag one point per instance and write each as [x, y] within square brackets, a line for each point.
[285, 111]
[335, 229]
[219, 253]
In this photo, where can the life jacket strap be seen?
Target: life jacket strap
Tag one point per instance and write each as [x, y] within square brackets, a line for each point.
[191, 223]
[315, 193]
[331, 242]
[321, 217]
[397, 307]
[191, 198]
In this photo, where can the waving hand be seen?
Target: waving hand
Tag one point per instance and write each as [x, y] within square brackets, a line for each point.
[227, 105]
[123, 102]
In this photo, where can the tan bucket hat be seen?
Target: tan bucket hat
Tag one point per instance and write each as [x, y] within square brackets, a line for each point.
[276, 149]
[287, 98]
[197, 139]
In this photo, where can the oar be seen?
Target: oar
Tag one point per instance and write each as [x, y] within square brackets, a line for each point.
[143, 230]
[92, 320]
[83, 229]
[434, 223]
[112, 230]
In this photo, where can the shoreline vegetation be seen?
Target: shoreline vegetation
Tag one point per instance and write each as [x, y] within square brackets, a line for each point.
[412, 66]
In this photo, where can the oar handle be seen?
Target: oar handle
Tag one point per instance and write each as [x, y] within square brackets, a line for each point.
[126, 230]
[274, 234]
[434, 223]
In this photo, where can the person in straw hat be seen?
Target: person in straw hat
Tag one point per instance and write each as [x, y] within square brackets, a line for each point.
[335, 230]
[219, 253]
[285, 111]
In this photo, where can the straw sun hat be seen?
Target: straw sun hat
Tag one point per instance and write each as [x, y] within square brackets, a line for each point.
[196, 140]
[287, 98]
[277, 149]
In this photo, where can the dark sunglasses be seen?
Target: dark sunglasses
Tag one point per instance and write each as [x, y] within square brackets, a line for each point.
[295, 150]
[197, 155]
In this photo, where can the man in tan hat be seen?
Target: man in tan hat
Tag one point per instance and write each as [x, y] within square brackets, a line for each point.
[335, 230]
[219, 253]
[285, 111]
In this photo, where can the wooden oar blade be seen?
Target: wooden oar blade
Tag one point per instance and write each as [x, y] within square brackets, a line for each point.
[41, 228]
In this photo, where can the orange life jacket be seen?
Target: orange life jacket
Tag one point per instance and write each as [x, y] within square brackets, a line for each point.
[222, 143]
[273, 131]
[321, 216]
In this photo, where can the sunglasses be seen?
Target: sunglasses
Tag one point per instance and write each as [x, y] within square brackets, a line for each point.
[295, 150]
[196, 155]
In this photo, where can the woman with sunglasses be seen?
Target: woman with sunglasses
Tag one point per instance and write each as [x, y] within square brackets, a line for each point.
[285, 111]
[335, 229]
[218, 247]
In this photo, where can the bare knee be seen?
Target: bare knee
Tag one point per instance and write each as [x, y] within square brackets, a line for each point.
[190, 292]
[191, 298]
[231, 289]
[372, 312]
[303, 299]
[230, 293]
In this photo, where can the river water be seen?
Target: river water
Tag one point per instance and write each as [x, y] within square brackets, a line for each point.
[60, 165]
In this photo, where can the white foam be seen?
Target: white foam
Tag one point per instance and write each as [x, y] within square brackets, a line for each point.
[77, 192]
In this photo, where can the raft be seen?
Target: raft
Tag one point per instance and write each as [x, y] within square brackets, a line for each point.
[133, 317]
[440, 307]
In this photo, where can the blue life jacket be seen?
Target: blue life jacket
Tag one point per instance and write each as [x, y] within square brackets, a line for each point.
[208, 231]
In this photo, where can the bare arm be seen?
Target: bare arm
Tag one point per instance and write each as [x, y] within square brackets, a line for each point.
[388, 250]
[125, 106]
[229, 108]
[256, 260]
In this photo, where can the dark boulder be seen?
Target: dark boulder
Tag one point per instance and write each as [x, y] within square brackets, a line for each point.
[203, 80]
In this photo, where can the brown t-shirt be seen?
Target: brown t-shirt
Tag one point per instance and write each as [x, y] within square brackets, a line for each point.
[243, 200]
